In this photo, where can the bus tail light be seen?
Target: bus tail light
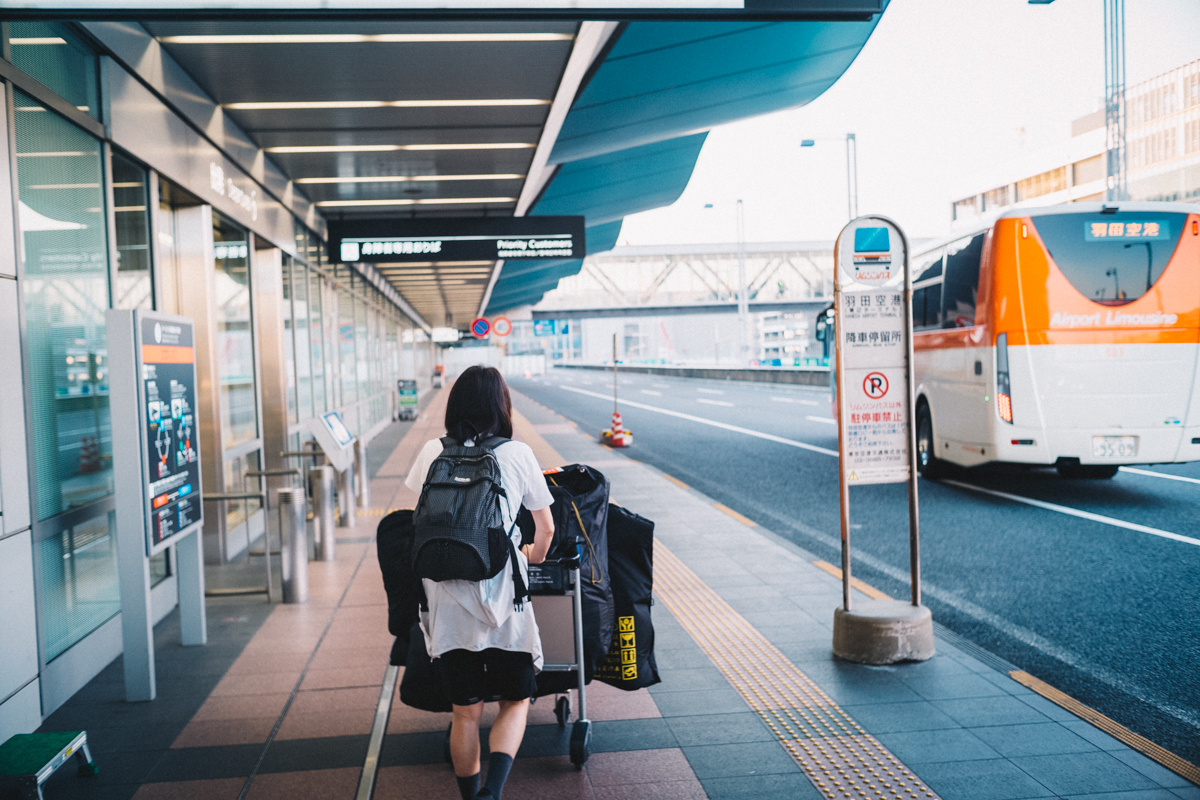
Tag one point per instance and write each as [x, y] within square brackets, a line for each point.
[1003, 386]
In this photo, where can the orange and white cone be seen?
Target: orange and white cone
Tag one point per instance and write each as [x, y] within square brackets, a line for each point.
[617, 436]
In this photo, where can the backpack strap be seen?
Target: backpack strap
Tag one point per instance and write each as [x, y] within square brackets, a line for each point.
[450, 441]
[520, 590]
[492, 442]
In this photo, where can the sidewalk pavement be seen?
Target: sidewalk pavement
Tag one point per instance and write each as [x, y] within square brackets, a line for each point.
[752, 704]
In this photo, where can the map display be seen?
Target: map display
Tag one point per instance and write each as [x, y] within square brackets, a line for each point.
[172, 442]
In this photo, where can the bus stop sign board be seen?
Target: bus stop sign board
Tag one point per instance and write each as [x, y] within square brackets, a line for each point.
[873, 347]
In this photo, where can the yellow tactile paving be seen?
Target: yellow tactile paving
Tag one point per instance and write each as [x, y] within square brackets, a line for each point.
[838, 756]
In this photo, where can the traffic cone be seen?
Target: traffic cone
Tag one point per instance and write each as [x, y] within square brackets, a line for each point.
[617, 436]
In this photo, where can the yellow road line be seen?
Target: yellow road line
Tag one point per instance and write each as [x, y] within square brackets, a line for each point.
[676, 481]
[865, 588]
[735, 515]
[1118, 731]
[839, 757]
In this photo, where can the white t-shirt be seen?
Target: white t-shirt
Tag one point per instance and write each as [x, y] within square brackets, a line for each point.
[478, 615]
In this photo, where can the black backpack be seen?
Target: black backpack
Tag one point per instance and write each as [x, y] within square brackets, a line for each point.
[458, 523]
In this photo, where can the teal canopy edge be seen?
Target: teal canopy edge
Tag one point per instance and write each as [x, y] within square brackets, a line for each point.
[629, 142]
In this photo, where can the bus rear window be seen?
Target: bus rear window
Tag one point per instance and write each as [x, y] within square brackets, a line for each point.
[1112, 259]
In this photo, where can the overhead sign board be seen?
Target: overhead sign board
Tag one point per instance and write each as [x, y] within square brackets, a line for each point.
[873, 344]
[456, 239]
[484, 9]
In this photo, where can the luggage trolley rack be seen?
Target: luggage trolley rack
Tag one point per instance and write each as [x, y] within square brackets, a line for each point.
[561, 628]
[548, 581]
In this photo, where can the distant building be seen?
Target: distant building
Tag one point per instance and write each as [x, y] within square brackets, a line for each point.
[1162, 144]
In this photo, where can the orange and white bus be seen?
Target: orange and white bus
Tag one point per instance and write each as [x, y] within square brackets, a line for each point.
[1064, 336]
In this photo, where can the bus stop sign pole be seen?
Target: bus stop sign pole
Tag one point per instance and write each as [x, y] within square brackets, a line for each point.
[875, 403]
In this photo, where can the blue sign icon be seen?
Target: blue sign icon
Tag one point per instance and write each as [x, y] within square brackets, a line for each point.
[871, 240]
[481, 327]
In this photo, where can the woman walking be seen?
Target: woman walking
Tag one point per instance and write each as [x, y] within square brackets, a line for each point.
[485, 647]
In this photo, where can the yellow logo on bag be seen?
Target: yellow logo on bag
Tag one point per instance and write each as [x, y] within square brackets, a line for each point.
[625, 624]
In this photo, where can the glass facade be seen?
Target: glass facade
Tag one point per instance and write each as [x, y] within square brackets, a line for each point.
[235, 336]
[88, 243]
[66, 292]
[134, 288]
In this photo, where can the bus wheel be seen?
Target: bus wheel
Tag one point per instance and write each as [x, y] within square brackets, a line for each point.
[1073, 470]
[928, 464]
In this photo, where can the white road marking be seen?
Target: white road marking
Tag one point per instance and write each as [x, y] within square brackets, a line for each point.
[1075, 512]
[652, 392]
[722, 425]
[710, 391]
[826, 420]
[660, 386]
[1163, 475]
[714, 402]
[792, 400]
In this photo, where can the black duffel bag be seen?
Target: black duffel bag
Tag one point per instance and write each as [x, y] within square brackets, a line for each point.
[580, 512]
[629, 663]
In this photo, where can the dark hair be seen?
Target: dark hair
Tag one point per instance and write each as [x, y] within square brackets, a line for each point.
[479, 405]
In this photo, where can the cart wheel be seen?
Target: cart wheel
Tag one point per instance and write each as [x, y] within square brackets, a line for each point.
[446, 749]
[581, 739]
[562, 711]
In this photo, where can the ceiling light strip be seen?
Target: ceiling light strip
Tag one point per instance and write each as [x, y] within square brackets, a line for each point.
[498, 176]
[315, 105]
[391, 148]
[359, 38]
[425, 201]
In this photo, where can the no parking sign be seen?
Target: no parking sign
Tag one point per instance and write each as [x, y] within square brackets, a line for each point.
[481, 327]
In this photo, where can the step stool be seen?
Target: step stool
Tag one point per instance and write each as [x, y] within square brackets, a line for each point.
[27, 760]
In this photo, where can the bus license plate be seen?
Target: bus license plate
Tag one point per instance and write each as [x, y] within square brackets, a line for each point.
[1114, 446]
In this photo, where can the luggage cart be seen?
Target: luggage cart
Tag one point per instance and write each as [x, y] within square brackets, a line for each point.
[557, 596]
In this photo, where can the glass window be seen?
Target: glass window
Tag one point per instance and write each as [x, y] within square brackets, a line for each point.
[236, 481]
[348, 361]
[235, 345]
[79, 590]
[55, 56]
[289, 334]
[931, 267]
[66, 292]
[300, 285]
[133, 289]
[1112, 259]
[316, 338]
[962, 281]
[933, 306]
[362, 347]
[918, 301]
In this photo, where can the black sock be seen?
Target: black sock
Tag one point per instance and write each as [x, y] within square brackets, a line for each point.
[498, 766]
[468, 787]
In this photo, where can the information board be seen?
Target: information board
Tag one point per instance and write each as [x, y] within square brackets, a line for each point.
[395, 240]
[335, 440]
[873, 353]
[171, 442]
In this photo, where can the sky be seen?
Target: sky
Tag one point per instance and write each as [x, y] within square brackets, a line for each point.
[944, 94]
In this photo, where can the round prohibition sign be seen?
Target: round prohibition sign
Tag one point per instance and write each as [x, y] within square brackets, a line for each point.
[501, 326]
[875, 385]
[481, 327]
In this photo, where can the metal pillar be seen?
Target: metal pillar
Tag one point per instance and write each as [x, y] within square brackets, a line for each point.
[1114, 100]
[852, 175]
[321, 480]
[362, 485]
[346, 501]
[743, 289]
[293, 545]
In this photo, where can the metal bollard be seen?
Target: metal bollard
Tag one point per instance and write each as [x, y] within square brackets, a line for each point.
[321, 480]
[293, 545]
[346, 501]
[363, 484]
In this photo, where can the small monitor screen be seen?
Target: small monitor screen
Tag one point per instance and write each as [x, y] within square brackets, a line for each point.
[333, 421]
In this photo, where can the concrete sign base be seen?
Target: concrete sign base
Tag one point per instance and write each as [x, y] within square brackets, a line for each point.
[883, 632]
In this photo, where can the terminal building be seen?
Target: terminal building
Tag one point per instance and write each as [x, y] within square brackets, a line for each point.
[194, 169]
[1162, 147]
